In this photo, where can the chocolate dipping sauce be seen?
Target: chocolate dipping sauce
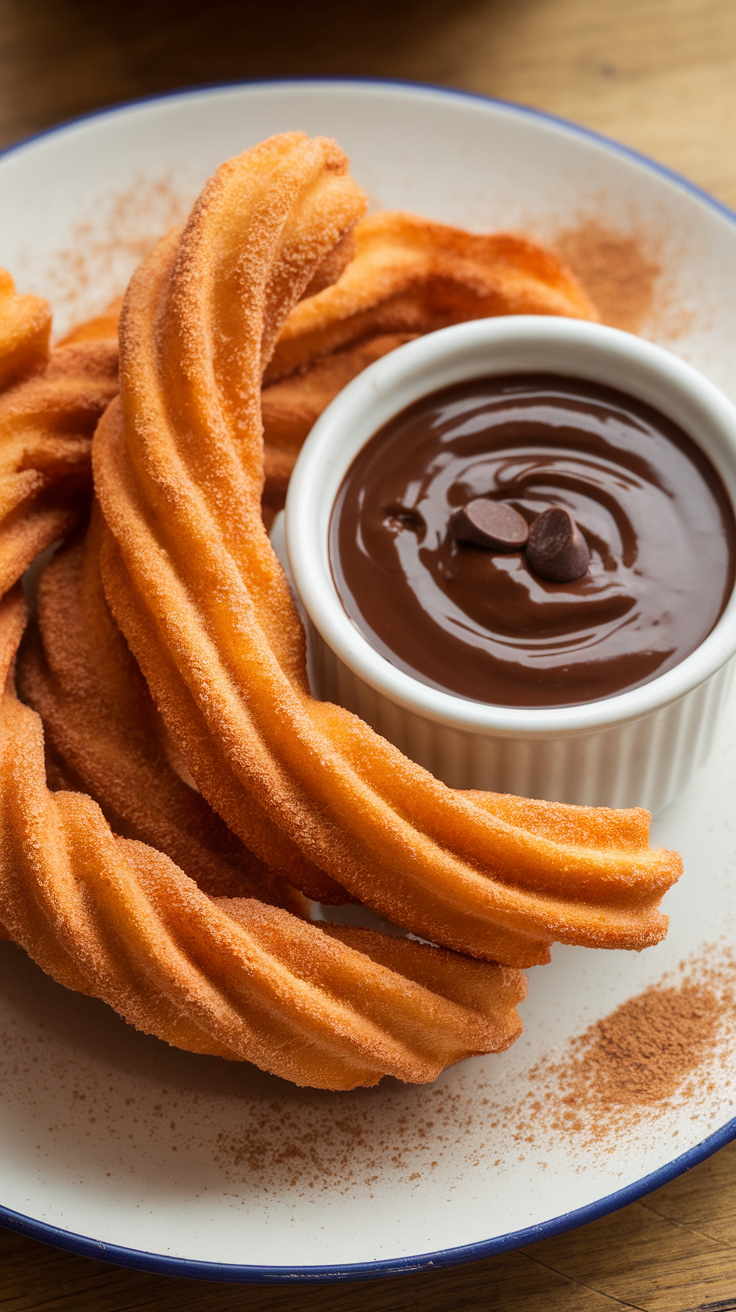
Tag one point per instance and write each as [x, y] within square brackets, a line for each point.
[479, 622]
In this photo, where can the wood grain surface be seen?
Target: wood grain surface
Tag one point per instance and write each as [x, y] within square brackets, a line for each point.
[657, 74]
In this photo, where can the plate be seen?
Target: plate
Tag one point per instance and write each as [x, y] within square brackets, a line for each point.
[117, 1146]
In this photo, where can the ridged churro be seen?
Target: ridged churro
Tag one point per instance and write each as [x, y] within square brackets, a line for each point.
[195, 778]
[47, 417]
[105, 737]
[410, 275]
[232, 977]
[193, 583]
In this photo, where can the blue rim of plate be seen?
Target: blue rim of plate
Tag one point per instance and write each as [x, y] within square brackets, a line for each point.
[236, 1273]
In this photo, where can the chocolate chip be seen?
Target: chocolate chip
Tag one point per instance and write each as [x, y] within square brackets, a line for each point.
[490, 524]
[556, 549]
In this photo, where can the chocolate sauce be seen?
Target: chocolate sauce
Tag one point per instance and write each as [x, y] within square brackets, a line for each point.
[477, 621]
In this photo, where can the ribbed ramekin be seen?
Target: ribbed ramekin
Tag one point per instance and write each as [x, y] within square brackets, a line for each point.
[635, 749]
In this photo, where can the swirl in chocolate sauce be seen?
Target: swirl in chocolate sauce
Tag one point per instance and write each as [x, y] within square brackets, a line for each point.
[478, 622]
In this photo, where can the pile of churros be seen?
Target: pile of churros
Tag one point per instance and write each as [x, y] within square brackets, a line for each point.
[171, 795]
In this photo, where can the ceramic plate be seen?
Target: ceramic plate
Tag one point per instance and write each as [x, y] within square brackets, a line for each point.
[117, 1146]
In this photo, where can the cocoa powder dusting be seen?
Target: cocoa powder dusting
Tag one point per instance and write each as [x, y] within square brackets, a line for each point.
[618, 271]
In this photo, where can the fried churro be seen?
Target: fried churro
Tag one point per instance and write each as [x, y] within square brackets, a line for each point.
[232, 977]
[193, 583]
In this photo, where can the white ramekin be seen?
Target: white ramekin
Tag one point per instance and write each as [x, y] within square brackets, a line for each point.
[635, 749]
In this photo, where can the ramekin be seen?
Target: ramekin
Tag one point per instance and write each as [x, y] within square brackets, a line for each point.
[637, 748]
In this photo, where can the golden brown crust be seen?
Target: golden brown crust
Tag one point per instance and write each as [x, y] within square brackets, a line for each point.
[105, 737]
[290, 407]
[25, 326]
[407, 272]
[407, 276]
[231, 977]
[117, 919]
[193, 583]
[46, 424]
[410, 275]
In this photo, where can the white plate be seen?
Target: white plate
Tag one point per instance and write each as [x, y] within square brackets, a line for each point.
[114, 1144]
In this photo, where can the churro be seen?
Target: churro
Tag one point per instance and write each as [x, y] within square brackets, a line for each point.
[104, 736]
[194, 585]
[232, 977]
[47, 417]
[197, 782]
[410, 275]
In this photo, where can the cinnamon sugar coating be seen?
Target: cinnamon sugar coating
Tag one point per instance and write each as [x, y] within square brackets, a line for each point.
[47, 418]
[25, 327]
[291, 406]
[179, 932]
[232, 977]
[105, 737]
[194, 585]
[396, 277]
[116, 918]
[410, 275]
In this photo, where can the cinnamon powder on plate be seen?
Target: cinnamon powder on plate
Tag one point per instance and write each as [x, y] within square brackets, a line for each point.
[666, 1049]
[641, 1053]
[617, 269]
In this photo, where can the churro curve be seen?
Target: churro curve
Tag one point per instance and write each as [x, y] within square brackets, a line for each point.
[195, 587]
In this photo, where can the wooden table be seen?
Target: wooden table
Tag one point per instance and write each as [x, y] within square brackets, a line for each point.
[661, 76]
